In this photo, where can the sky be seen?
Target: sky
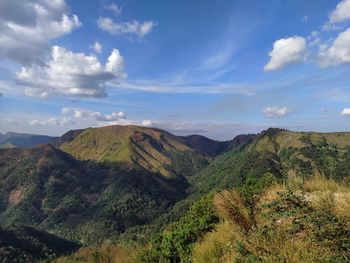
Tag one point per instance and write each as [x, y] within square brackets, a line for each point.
[191, 67]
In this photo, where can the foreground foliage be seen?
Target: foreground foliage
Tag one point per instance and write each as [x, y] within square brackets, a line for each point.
[288, 225]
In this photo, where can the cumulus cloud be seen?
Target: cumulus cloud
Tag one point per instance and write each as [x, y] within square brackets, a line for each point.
[81, 116]
[124, 28]
[286, 51]
[345, 112]
[338, 52]
[73, 74]
[26, 27]
[276, 112]
[97, 47]
[340, 14]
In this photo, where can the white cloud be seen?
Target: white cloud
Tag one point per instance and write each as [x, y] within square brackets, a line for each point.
[51, 122]
[79, 113]
[116, 10]
[338, 52]
[115, 63]
[73, 74]
[81, 116]
[147, 123]
[123, 28]
[340, 14]
[26, 27]
[286, 51]
[97, 47]
[345, 112]
[276, 112]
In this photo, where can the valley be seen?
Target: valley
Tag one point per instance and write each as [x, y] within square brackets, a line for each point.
[174, 198]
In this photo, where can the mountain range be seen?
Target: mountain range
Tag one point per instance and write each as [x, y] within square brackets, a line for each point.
[126, 183]
[13, 140]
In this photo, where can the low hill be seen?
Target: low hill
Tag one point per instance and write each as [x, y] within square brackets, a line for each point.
[13, 140]
[25, 244]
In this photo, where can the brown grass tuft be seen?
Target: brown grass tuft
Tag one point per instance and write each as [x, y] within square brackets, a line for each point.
[231, 207]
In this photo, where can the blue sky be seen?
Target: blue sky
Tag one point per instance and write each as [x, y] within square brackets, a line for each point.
[217, 69]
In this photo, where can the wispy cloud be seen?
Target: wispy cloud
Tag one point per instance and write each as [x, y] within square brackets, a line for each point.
[139, 29]
[114, 8]
[160, 87]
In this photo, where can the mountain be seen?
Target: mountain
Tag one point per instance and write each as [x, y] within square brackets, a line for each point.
[287, 191]
[152, 149]
[79, 200]
[100, 183]
[13, 140]
[127, 183]
[280, 153]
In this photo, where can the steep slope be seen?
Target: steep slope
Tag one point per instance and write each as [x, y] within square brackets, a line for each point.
[25, 244]
[12, 140]
[280, 153]
[152, 149]
[82, 201]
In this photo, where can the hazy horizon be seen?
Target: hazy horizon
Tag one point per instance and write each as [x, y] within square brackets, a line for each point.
[196, 67]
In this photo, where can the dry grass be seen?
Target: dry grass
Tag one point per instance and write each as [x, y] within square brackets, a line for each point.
[231, 207]
[277, 248]
[222, 246]
[216, 246]
[105, 253]
[326, 192]
[231, 242]
[320, 183]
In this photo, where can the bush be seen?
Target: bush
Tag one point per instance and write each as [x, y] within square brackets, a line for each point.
[176, 244]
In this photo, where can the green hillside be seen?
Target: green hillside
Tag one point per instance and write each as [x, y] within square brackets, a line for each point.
[82, 201]
[25, 244]
[147, 191]
[132, 146]
[280, 153]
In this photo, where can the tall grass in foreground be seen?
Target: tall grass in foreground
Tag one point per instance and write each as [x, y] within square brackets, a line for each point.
[309, 223]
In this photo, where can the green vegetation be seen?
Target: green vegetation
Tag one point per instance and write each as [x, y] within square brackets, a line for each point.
[24, 244]
[132, 146]
[286, 226]
[175, 244]
[148, 196]
[83, 201]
